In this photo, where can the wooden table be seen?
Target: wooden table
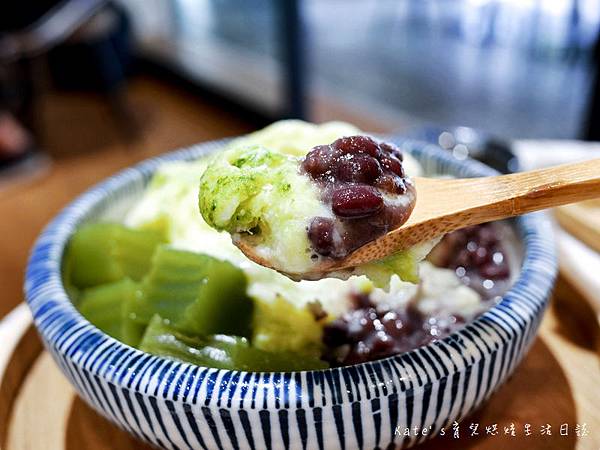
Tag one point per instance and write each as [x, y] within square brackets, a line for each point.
[558, 382]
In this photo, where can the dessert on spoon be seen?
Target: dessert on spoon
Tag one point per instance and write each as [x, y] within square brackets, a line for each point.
[348, 205]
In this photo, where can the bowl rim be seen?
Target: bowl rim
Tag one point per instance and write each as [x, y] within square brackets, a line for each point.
[66, 331]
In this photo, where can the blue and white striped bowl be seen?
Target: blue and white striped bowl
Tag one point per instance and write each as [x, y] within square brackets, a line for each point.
[177, 405]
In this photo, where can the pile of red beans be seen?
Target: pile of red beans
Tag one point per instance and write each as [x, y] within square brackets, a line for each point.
[370, 332]
[477, 256]
[357, 177]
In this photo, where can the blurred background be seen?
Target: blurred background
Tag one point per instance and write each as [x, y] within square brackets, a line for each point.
[520, 68]
[90, 86]
[513, 68]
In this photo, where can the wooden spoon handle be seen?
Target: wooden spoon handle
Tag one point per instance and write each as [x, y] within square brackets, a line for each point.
[554, 186]
[515, 194]
[445, 205]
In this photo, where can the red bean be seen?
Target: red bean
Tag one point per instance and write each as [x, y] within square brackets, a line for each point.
[494, 271]
[391, 183]
[319, 160]
[481, 256]
[391, 149]
[321, 235]
[357, 144]
[356, 201]
[359, 168]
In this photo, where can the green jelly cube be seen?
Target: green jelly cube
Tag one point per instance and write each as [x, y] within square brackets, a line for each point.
[219, 351]
[197, 293]
[222, 306]
[102, 305]
[132, 329]
[164, 340]
[171, 285]
[66, 274]
[252, 359]
[279, 326]
[105, 252]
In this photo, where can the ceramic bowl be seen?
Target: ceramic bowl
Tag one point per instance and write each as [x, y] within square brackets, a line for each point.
[177, 405]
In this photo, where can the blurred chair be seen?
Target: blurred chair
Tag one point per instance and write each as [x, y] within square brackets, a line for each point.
[52, 28]
[82, 40]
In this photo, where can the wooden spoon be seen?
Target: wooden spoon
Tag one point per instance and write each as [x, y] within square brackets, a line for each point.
[445, 205]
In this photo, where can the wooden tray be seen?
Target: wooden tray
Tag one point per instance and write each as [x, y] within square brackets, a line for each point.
[582, 220]
[557, 383]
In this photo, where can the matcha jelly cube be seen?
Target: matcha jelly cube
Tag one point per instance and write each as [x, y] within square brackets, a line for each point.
[105, 252]
[219, 351]
[164, 340]
[222, 306]
[252, 359]
[280, 326]
[198, 294]
[102, 305]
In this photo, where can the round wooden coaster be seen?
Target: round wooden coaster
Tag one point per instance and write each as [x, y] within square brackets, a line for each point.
[40, 410]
